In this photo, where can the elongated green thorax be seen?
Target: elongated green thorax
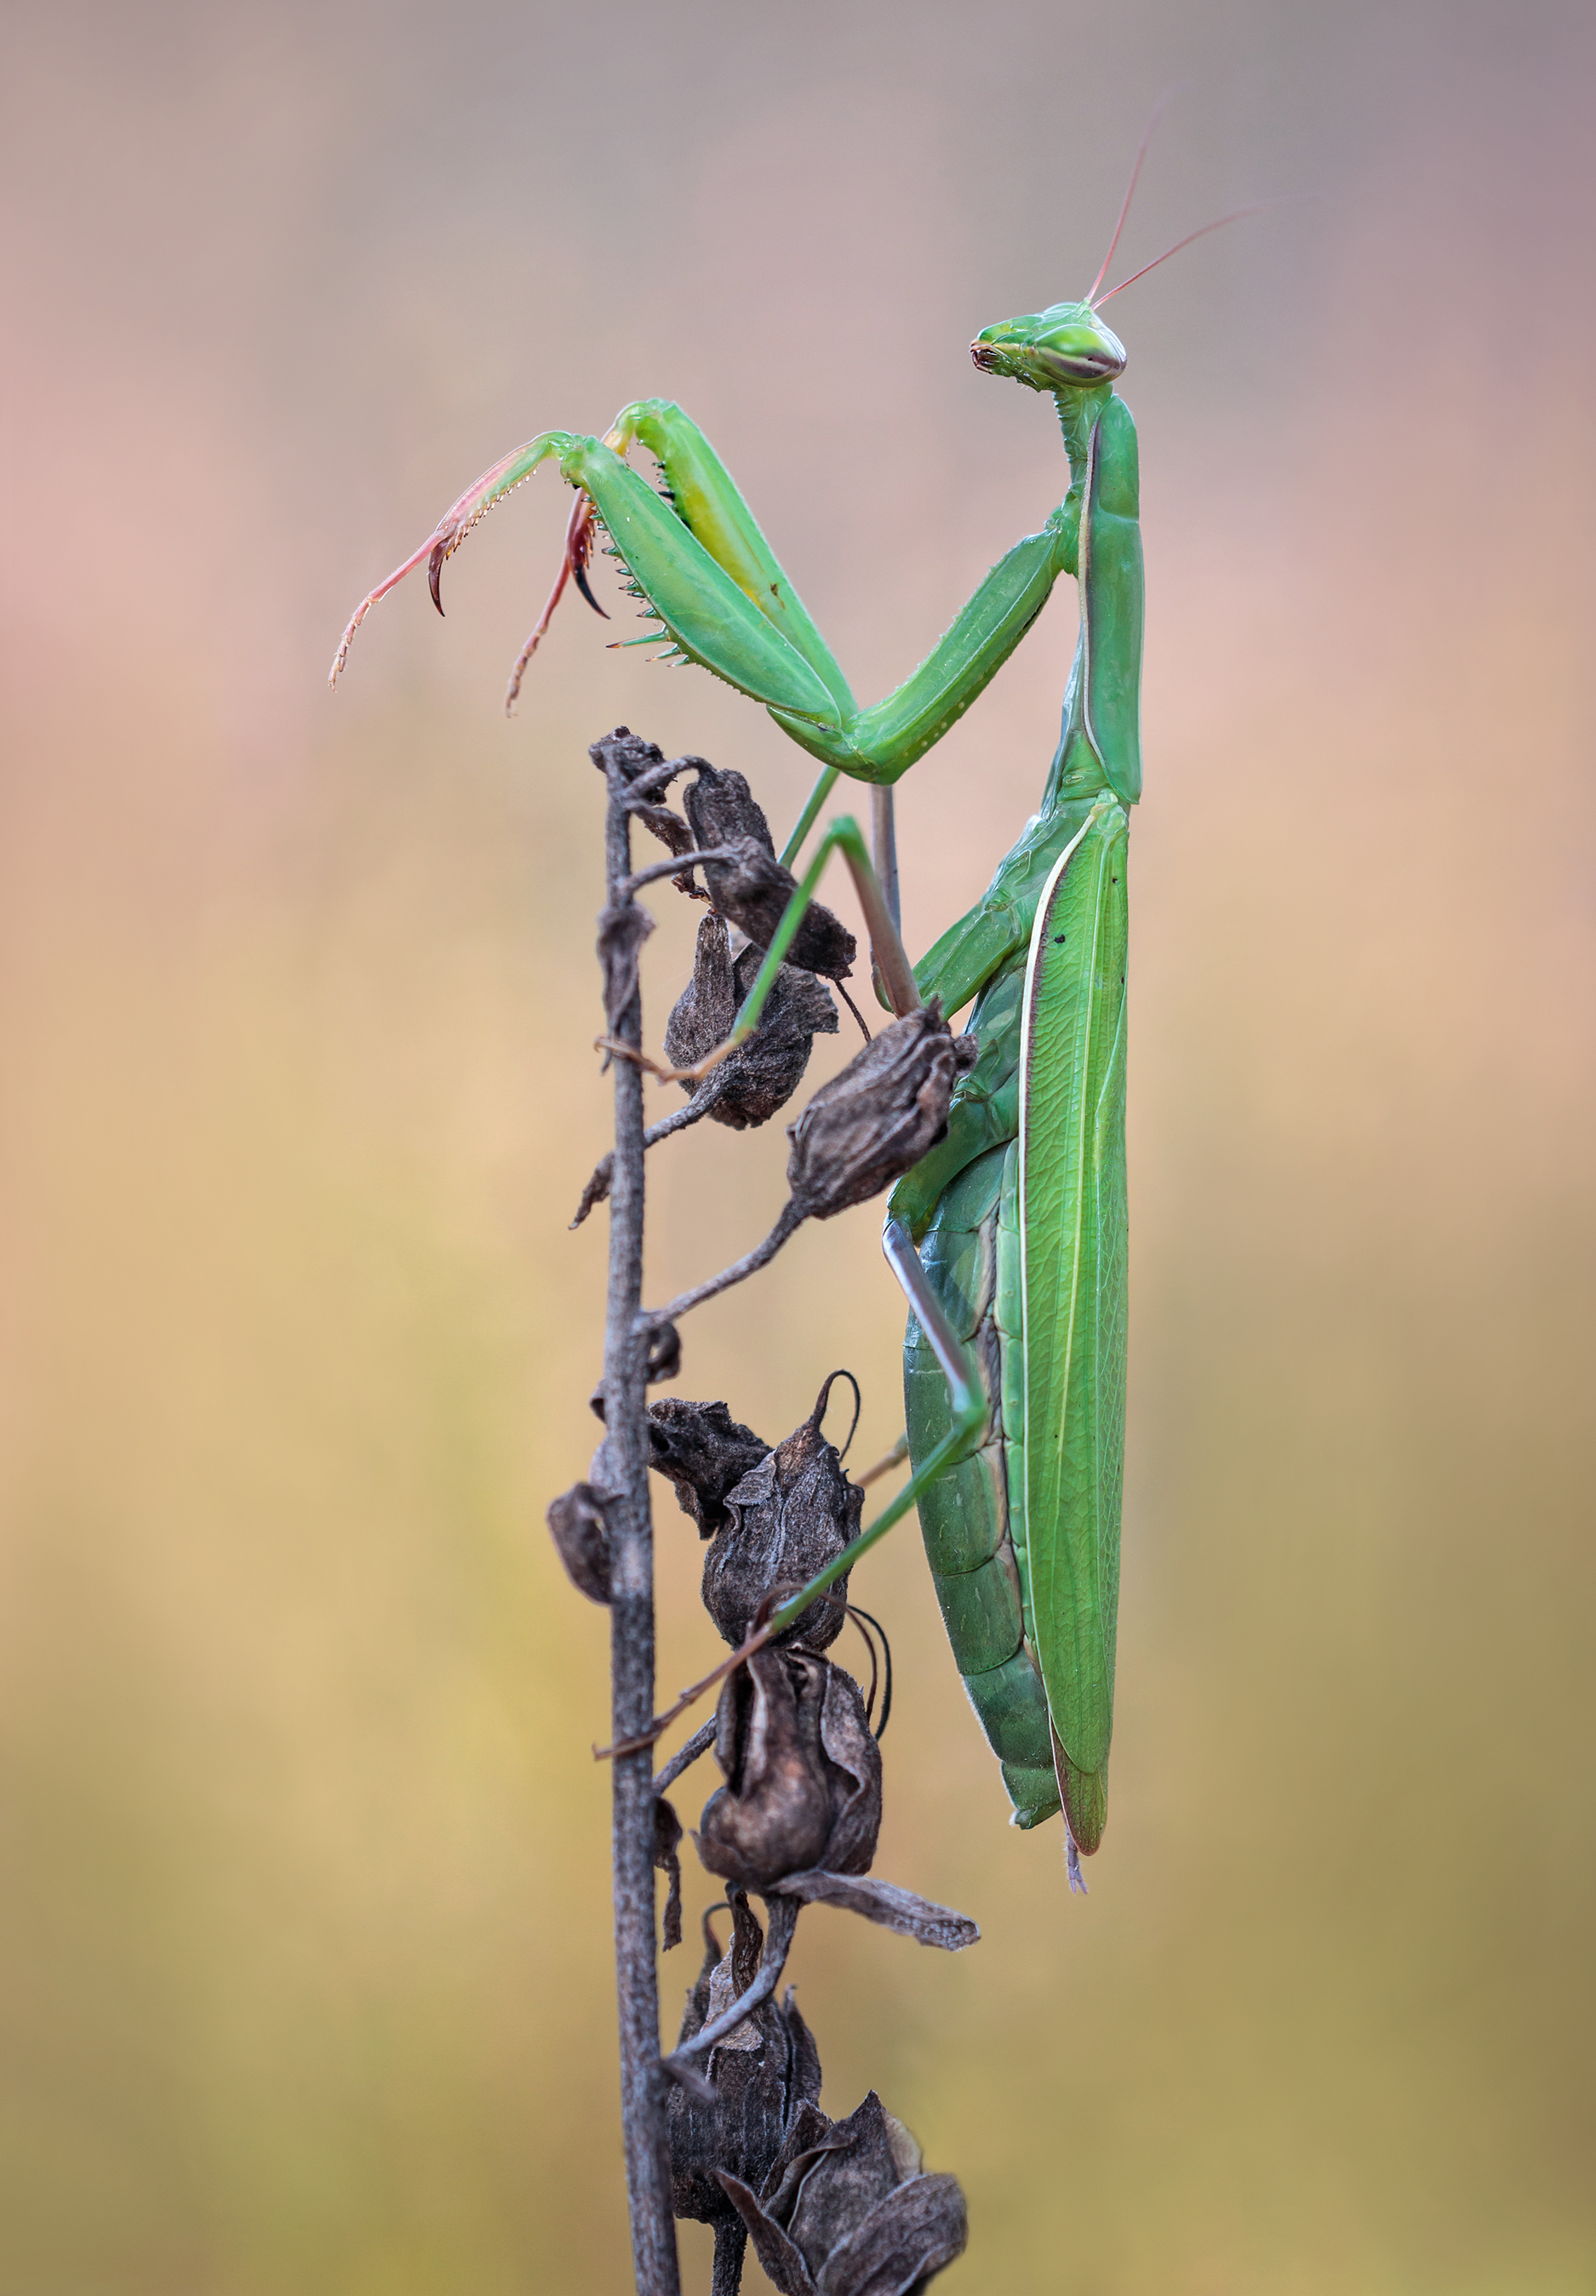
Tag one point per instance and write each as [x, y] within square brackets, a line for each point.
[1099, 438]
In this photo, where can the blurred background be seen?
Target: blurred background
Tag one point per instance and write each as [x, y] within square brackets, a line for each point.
[304, 1959]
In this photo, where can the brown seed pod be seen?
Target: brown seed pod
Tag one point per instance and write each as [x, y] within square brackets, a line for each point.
[722, 808]
[705, 1452]
[765, 2071]
[793, 1512]
[646, 772]
[753, 890]
[803, 1773]
[762, 1075]
[581, 1535]
[847, 2209]
[865, 1129]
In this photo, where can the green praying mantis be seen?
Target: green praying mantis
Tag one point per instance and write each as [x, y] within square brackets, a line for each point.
[1009, 1236]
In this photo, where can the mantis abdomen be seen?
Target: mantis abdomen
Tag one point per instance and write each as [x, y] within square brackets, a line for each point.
[974, 1533]
[1021, 1223]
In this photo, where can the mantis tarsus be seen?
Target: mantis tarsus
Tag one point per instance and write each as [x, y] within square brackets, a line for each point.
[1010, 1237]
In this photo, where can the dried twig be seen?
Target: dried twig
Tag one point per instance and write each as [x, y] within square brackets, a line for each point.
[632, 1568]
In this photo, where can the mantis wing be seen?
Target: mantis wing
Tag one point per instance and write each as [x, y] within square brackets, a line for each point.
[1073, 1236]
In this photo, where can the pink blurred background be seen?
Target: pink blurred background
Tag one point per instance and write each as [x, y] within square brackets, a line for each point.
[304, 1976]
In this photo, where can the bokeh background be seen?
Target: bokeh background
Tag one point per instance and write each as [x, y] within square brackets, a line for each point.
[304, 1974]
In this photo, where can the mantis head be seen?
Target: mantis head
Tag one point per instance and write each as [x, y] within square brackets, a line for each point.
[1067, 348]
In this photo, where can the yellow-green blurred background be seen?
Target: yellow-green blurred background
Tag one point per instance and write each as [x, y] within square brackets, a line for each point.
[304, 1976]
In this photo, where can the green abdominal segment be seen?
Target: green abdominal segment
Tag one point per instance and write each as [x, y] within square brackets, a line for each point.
[973, 1519]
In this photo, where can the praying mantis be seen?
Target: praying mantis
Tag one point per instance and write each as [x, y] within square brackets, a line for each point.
[1009, 1236]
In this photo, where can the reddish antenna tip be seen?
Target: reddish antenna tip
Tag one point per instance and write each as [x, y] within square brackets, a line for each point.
[1130, 189]
[1235, 216]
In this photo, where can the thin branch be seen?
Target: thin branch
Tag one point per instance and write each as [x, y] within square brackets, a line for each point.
[678, 863]
[684, 1756]
[632, 1628]
[791, 1221]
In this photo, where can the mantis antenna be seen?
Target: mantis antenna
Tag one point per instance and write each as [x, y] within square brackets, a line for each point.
[1130, 191]
[1235, 216]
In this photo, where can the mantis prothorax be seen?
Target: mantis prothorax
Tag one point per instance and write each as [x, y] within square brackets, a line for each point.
[1009, 1236]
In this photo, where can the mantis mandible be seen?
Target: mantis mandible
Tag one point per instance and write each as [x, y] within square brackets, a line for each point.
[1010, 1237]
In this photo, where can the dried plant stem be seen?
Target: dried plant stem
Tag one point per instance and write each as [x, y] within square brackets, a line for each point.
[632, 1642]
[790, 1219]
[730, 2241]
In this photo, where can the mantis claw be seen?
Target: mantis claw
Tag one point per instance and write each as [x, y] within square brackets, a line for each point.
[573, 563]
[501, 478]
[579, 576]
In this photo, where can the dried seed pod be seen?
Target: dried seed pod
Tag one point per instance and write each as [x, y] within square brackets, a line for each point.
[766, 2070]
[722, 808]
[803, 1773]
[665, 1354]
[846, 2209]
[581, 1533]
[753, 890]
[792, 1513]
[761, 1075]
[702, 1015]
[632, 756]
[705, 1452]
[865, 1129]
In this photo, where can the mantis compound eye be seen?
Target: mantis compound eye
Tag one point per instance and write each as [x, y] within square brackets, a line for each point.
[1067, 346]
[1092, 362]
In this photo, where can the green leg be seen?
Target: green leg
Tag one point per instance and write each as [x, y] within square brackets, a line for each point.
[702, 566]
[805, 821]
[877, 744]
[843, 836]
[707, 500]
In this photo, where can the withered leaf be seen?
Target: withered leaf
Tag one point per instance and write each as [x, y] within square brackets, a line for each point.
[917, 1917]
[668, 1841]
[623, 929]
